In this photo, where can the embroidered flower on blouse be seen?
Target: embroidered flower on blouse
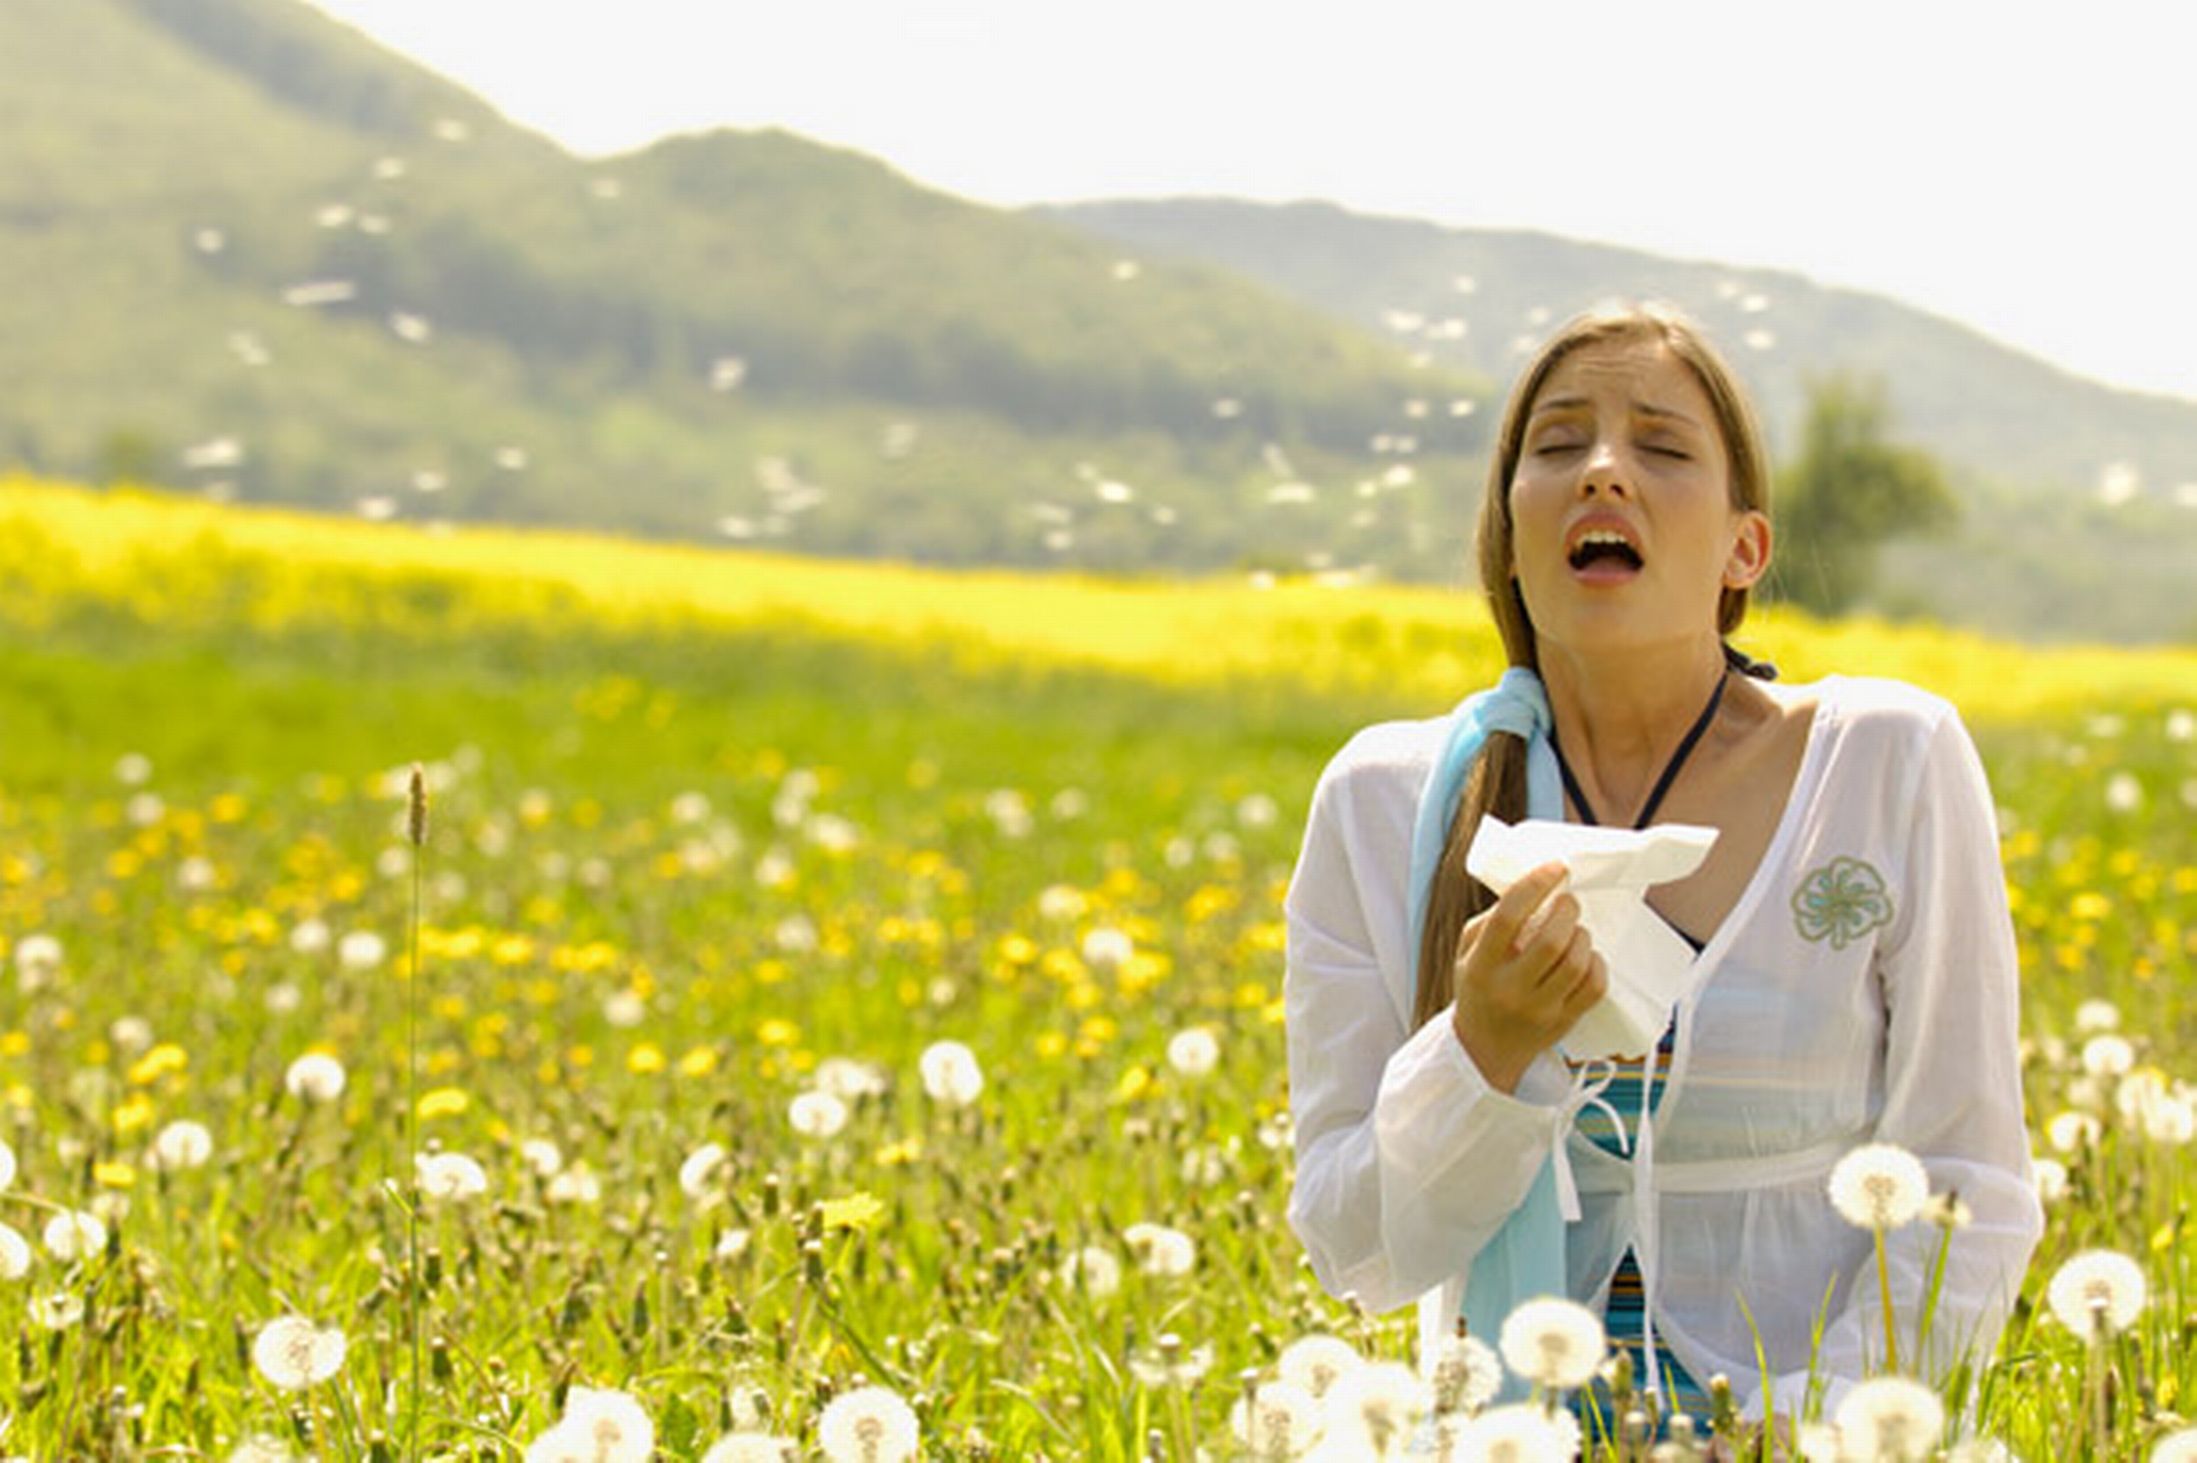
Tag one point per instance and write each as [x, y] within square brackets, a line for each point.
[1841, 901]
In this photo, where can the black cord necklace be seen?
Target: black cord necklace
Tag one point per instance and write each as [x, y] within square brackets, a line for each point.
[1670, 769]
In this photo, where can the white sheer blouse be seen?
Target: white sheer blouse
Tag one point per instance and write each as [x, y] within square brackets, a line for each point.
[1864, 987]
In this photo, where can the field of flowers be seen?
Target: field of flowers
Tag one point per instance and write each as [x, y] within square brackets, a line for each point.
[837, 1008]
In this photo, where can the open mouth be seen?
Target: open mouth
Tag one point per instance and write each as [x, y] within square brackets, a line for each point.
[1603, 553]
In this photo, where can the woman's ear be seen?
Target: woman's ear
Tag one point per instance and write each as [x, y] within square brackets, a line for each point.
[1750, 556]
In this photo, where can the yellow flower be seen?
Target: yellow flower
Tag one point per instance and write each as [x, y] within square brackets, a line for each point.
[1051, 1043]
[645, 1060]
[699, 1062]
[443, 1102]
[132, 1113]
[855, 1211]
[905, 1150]
[1134, 1083]
[158, 1062]
[776, 1031]
[113, 1175]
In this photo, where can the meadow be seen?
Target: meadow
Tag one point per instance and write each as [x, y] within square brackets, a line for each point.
[631, 1071]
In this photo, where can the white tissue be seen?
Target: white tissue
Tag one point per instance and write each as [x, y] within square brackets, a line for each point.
[1611, 870]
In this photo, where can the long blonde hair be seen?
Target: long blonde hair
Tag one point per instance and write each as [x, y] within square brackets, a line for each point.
[1497, 783]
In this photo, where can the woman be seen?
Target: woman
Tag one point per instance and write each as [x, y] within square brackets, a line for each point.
[1852, 971]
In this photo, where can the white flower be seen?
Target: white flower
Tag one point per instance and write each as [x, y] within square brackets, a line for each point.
[1061, 903]
[58, 1310]
[750, 1448]
[1194, 1053]
[731, 1245]
[1980, 1450]
[868, 1425]
[1107, 948]
[2051, 1177]
[574, 1185]
[2108, 1055]
[625, 1009]
[610, 1424]
[1947, 1211]
[2123, 793]
[1379, 1403]
[1316, 1363]
[542, 1156]
[2172, 1120]
[1519, 1433]
[1257, 811]
[951, 1074]
[7, 1165]
[315, 1077]
[1553, 1342]
[1093, 1270]
[261, 1448]
[2180, 1447]
[700, 1168]
[2096, 1015]
[817, 1115]
[15, 1254]
[293, 1353]
[133, 769]
[1465, 1374]
[448, 1177]
[2071, 1131]
[2094, 1287]
[130, 1034]
[1161, 1250]
[182, 1144]
[37, 962]
[310, 936]
[1167, 1364]
[1892, 1419]
[1879, 1186]
[361, 950]
[74, 1235]
[849, 1080]
[1281, 1421]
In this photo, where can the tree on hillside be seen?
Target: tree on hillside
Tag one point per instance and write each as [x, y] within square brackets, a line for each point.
[1849, 491]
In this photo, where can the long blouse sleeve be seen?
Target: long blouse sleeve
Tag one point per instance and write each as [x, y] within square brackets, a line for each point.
[1949, 979]
[1407, 1159]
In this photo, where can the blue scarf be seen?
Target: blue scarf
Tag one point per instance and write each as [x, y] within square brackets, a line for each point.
[1525, 1259]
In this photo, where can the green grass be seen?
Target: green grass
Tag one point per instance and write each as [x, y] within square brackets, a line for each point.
[555, 835]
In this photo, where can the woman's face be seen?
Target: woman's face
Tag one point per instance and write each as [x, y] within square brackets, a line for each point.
[1623, 532]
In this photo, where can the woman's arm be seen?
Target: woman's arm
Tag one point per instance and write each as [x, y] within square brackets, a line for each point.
[1952, 1083]
[1407, 1159]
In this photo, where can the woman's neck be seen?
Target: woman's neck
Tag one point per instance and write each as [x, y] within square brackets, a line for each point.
[1621, 713]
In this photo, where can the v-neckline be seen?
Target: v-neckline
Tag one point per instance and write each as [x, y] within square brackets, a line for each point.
[1706, 960]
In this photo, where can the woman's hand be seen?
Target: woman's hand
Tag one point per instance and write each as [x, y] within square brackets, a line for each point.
[1526, 972]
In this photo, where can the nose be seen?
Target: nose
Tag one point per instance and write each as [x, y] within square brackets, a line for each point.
[1604, 473]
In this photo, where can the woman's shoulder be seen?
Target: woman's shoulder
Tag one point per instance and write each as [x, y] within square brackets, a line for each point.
[1386, 761]
[1877, 705]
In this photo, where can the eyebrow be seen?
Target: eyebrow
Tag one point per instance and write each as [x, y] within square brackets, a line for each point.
[1644, 408]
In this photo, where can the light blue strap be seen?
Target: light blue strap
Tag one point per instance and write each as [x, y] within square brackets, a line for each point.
[1525, 1259]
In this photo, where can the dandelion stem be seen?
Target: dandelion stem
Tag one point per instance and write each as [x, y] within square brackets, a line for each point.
[416, 1299]
[1884, 1287]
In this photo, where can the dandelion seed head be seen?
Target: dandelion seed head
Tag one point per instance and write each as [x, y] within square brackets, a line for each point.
[868, 1425]
[1879, 1186]
[1553, 1342]
[1891, 1418]
[182, 1144]
[848, 1079]
[748, 1447]
[57, 1310]
[951, 1074]
[1518, 1433]
[361, 950]
[575, 1185]
[37, 962]
[1315, 1363]
[449, 1178]
[1194, 1053]
[1465, 1374]
[1161, 1249]
[73, 1234]
[2051, 1179]
[612, 1423]
[2071, 1131]
[2096, 1015]
[817, 1115]
[1378, 1402]
[315, 1077]
[7, 1166]
[1092, 1270]
[261, 1448]
[15, 1254]
[2108, 1055]
[1280, 1421]
[1947, 1211]
[697, 1175]
[294, 1354]
[2097, 1288]
[1107, 948]
[2176, 1447]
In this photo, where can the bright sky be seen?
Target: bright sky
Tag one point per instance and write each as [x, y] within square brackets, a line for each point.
[2025, 169]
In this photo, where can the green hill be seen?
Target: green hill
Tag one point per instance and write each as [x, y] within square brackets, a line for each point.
[270, 249]
[2043, 552]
